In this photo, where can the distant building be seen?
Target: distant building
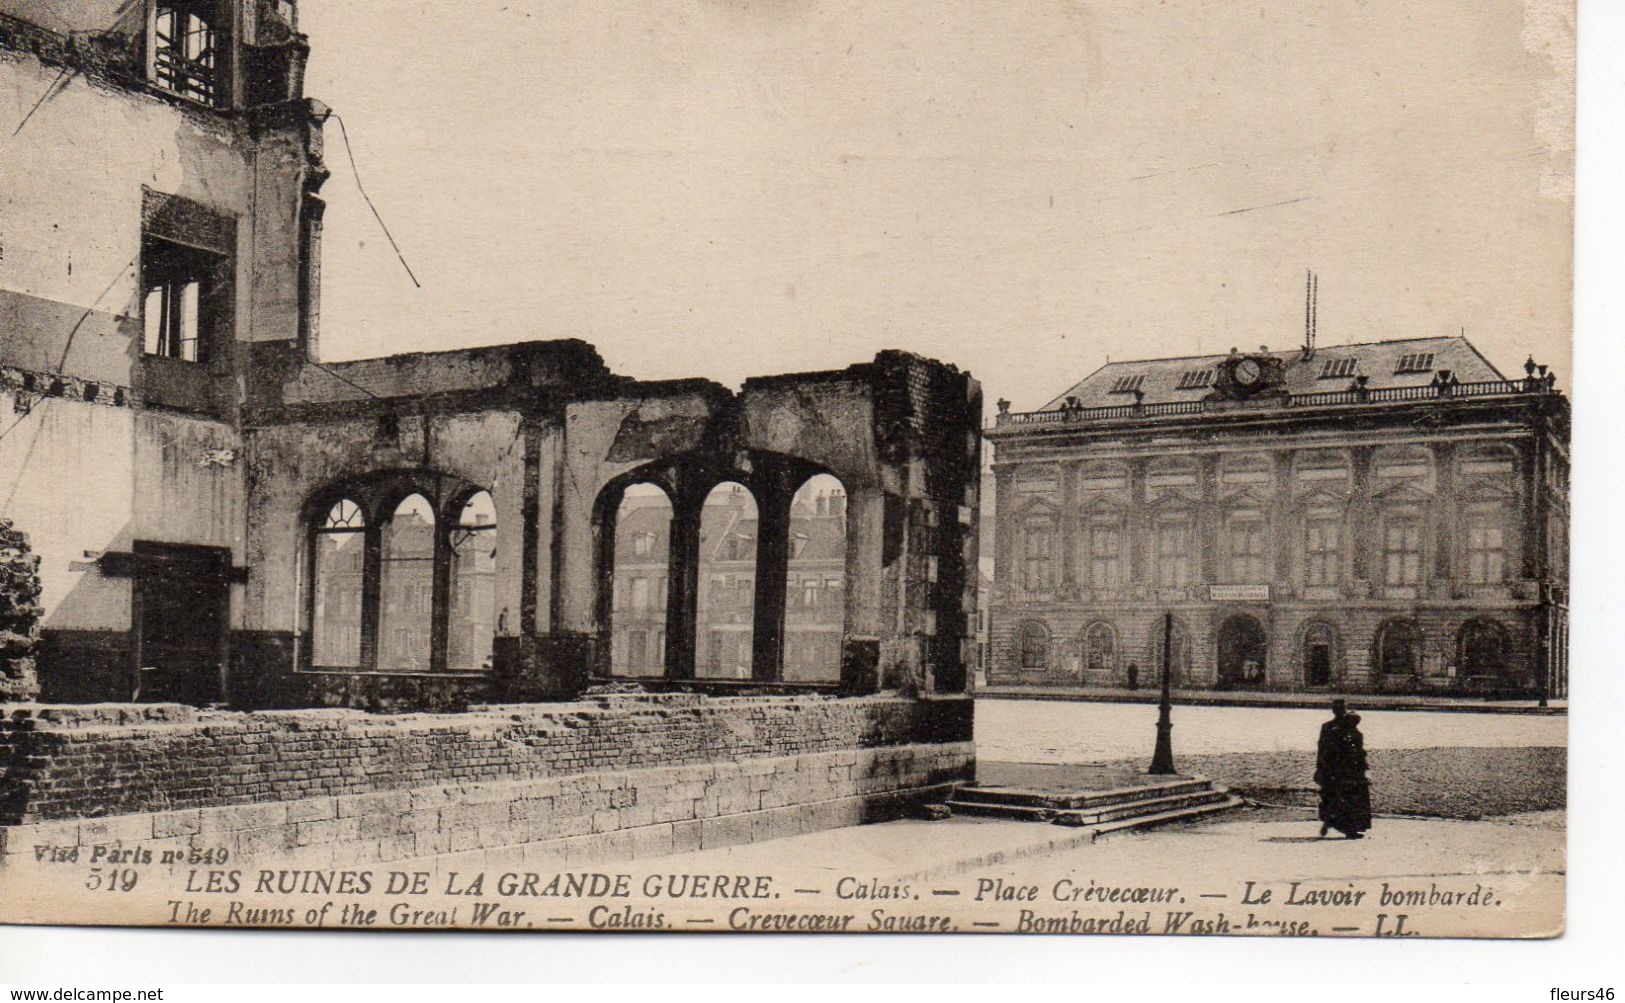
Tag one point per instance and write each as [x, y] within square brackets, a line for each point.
[814, 596]
[1390, 516]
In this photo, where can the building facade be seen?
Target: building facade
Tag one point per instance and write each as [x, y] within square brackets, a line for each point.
[223, 517]
[1383, 517]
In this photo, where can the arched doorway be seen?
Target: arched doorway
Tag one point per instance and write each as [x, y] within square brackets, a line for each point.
[1243, 647]
[1481, 649]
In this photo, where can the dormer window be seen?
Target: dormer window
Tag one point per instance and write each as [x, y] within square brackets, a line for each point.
[188, 40]
[1127, 384]
[1338, 369]
[1196, 379]
[1415, 362]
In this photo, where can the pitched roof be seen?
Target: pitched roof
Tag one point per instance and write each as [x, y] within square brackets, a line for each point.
[1332, 367]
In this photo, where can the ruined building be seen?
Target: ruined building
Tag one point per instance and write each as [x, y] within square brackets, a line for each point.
[223, 519]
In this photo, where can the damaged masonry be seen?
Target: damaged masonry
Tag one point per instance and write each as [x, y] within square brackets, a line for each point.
[225, 521]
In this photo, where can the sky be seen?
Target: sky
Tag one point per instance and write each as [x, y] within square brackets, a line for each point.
[1026, 188]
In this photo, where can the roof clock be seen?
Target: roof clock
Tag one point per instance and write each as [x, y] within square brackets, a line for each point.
[1241, 377]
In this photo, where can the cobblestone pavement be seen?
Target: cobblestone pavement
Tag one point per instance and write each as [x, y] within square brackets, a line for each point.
[1442, 765]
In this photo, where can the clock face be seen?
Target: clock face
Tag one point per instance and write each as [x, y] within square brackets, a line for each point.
[1247, 372]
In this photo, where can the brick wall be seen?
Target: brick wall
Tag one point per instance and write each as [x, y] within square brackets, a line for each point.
[75, 762]
[565, 783]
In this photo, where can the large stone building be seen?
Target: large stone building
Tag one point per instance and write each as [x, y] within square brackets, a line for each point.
[1390, 516]
[224, 520]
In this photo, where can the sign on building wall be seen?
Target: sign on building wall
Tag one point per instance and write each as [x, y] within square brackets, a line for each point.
[1238, 593]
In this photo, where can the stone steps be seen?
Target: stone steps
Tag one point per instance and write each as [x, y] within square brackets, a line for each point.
[1106, 811]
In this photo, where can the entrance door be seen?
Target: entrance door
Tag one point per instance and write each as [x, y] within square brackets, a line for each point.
[181, 602]
[1242, 650]
[1317, 667]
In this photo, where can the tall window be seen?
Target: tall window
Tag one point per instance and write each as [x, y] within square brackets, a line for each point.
[1245, 537]
[1034, 646]
[406, 570]
[339, 557]
[815, 599]
[1105, 554]
[1399, 649]
[188, 39]
[1175, 564]
[184, 299]
[642, 552]
[1323, 549]
[471, 619]
[726, 611]
[1402, 550]
[1037, 567]
[1486, 545]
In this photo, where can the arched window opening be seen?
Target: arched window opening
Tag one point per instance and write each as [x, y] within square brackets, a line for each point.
[724, 627]
[471, 613]
[406, 587]
[1319, 652]
[1399, 648]
[1482, 649]
[1100, 653]
[815, 583]
[642, 575]
[1034, 647]
[1179, 666]
[338, 564]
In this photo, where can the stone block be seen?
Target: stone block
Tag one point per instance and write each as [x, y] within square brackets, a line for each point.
[312, 810]
[725, 830]
[115, 829]
[177, 823]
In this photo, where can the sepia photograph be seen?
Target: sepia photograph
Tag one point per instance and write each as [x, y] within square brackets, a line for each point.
[746, 466]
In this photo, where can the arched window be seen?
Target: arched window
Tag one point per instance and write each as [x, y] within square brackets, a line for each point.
[1100, 652]
[406, 586]
[1034, 645]
[338, 563]
[642, 559]
[1319, 654]
[725, 625]
[1399, 648]
[1481, 648]
[815, 583]
[471, 612]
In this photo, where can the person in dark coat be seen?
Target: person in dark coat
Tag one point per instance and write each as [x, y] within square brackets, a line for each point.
[1340, 765]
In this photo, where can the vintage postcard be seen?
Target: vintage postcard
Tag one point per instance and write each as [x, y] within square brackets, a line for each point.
[1066, 467]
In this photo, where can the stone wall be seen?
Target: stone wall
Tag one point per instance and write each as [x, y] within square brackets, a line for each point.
[71, 762]
[610, 779]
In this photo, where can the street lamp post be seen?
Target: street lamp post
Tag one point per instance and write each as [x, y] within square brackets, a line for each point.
[1162, 761]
